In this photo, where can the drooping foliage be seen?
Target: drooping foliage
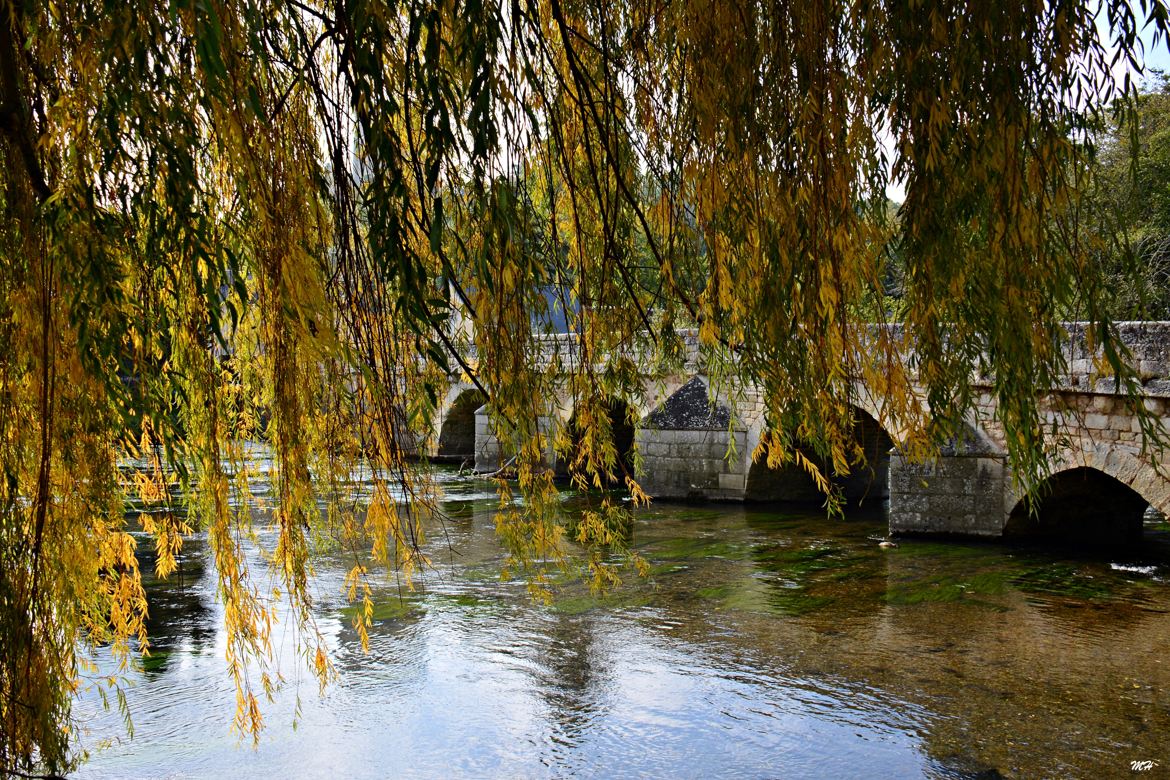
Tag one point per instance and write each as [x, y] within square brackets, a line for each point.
[238, 220]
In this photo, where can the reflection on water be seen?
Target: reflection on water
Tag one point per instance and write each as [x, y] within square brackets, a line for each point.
[763, 644]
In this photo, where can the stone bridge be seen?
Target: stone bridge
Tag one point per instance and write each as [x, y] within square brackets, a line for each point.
[696, 442]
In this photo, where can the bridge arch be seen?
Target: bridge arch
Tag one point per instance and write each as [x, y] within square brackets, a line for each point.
[619, 419]
[866, 484]
[457, 432]
[1123, 465]
[1082, 504]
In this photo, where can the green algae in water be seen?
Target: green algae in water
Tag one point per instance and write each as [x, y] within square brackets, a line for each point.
[399, 608]
[745, 596]
[950, 550]
[849, 575]
[1064, 580]
[384, 610]
[944, 590]
[464, 602]
[771, 522]
[156, 662]
[715, 592]
[797, 560]
[692, 548]
[945, 598]
[761, 597]
[580, 604]
[665, 569]
[692, 514]
[810, 566]
[797, 603]
[992, 571]
[487, 572]
[795, 579]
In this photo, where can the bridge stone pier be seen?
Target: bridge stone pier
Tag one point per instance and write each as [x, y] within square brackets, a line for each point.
[691, 449]
[1101, 481]
[696, 440]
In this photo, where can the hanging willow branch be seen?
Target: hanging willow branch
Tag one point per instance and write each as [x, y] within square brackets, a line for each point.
[256, 220]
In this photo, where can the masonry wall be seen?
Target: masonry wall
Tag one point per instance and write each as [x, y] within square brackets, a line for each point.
[954, 494]
[691, 464]
[489, 455]
[685, 442]
[487, 446]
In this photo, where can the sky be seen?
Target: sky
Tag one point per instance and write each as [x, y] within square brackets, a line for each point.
[1157, 57]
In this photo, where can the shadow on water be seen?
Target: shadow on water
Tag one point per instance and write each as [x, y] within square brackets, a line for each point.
[180, 609]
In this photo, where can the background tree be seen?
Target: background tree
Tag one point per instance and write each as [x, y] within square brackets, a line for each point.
[1130, 205]
[240, 219]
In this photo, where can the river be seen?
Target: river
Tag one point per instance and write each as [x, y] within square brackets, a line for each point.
[764, 643]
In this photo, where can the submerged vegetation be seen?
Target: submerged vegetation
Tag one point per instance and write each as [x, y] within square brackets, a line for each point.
[238, 220]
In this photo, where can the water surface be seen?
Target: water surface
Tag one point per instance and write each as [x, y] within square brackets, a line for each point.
[763, 644]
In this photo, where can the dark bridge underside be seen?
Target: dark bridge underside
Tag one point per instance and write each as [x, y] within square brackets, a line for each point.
[457, 436]
[866, 484]
[1083, 506]
[622, 432]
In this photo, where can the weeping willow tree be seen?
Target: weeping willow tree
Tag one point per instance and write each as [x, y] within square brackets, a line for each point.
[229, 221]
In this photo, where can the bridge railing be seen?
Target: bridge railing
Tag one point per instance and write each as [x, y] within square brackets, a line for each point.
[1147, 342]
